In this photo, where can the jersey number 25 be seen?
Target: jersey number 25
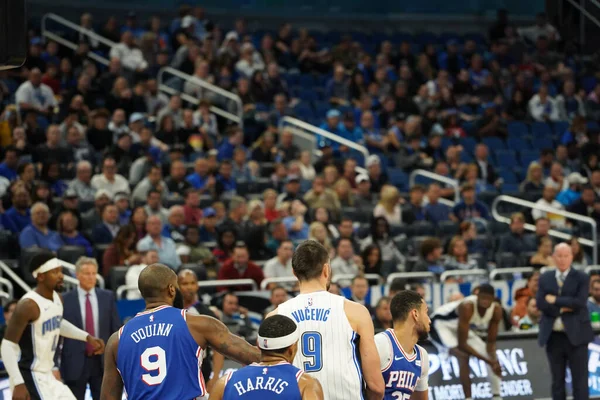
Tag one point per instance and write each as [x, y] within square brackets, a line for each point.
[154, 359]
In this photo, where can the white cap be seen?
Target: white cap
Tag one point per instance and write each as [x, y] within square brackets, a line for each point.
[361, 178]
[372, 160]
[231, 35]
[187, 21]
[575, 178]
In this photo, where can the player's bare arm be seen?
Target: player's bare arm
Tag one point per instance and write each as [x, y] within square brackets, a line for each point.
[492, 335]
[112, 385]
[465, 312]
[218, 361]
[211, 331]
[361, 322]
[25, 312]
[424, 395]
[310, 388]
[218, 389]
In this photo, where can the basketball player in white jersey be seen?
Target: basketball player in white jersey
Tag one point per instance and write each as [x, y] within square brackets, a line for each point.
[330, 327]
[452, 326]
[33, 332]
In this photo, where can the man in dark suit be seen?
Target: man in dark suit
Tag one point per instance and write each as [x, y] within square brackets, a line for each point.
[565, 328]
[95, 311]
[105, 232]
[485, 171]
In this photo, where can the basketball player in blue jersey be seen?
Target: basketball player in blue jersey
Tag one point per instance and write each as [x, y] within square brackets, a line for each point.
[274, 377]
[33, 333]
[405, 364]
[158, 353]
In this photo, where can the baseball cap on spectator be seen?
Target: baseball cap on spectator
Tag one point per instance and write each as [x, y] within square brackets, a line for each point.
[361, 178]
[231, 35]
[36, 41]
[292, 178]
[100, 193]
[121, 196]
[213, 152]
[487, 105]
[187, 21]
[437, 130]
[70, 194]
[372, 160]
[122, 135]
[177, 148]
[575, 178]
[209, 212]
[401, 117]
[135, 117]
[333, 114]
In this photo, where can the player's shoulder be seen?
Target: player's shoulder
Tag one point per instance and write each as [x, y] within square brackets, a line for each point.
[422, 350]
[383, 341]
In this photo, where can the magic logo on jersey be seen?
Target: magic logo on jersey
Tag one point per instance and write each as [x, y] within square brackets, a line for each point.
[51, 324]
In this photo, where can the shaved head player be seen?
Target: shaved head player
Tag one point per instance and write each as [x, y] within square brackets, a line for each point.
[158, 353]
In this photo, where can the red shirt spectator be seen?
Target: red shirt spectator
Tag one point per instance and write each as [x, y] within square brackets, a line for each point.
[191, 208]
[240, 267]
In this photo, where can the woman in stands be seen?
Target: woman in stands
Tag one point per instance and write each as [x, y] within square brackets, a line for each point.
[580, 259]
[380, 236]
[458, 256]
[389, 205]
[67, 229]
[543, 256]
[270, 201]
[41, 193]
[371, 256]
[317, 231]
[517, 107]
[344, 192]
[225, 245]
[255, 231]
[468, 232]
[138, 220]
[534, 182]
[122, 250]
[51, 175]
[322, 215]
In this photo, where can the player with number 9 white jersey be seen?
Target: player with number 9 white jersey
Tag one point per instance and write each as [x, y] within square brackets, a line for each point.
[330, 326]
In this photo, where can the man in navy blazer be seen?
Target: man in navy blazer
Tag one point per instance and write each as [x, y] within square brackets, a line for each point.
[105, 232]
[77, 366]
[565, 328]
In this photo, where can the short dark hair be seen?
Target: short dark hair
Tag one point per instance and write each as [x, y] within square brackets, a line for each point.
[546, 152]
[417, 187]
[276, 326]
[309, 259]
[275, 288]
[403, 303]
[486, 288]
[152, 191]
[397, 285]
[38, 259]
[10, 303]
[429, 245]
[381, 301]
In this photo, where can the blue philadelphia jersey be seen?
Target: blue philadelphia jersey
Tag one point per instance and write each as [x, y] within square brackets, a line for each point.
[264, 382]
[401, 373]
[158, 358]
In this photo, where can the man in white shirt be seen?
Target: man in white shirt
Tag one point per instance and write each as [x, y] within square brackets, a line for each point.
[130, 56]
[543, 107]
[281, 265]
[34, 95]
[548, 199]
[109, 180]
[346, 263]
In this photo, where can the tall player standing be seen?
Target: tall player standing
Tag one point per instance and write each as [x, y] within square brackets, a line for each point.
[32, 335]
[158, 353]
[330, 327]
[405, 364]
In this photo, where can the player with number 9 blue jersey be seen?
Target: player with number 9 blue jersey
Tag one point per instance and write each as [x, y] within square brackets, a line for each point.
[153, 345]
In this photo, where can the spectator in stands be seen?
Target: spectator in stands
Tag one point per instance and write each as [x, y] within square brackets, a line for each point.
[590, 164]
[191, 208]
[270, 202]
[134, 271]
[363, 198]
[106, 231]
[8, 167]
[37, 233]
[100, 135]
[569, 103]
[548, 200]
[346, 231]
[346, 262]
[288, 151]
[236, 318]
[376, 175]
[208, 227]
[226, 240]
[371, 258]
[382, 318]
[397, 285]
[121, 251]
[514, 241]
[70, 236]
[35, 96]
[580, 258]
[557, 178]
[278, 296]
[238, 210]
[240, 267]
[51, 175]
[522, 295]
[174, 228]
[541, 28]
[531, 320]
[543, 256]
[192, 251]
[380, 236]
[201, 179]
[337, 90]
[128, 54]
[41, 193]
[123, 209]
[543, 107]
[138, 220]
[176, 182]
[593, 302]
[250, 61]
[18, 217]
[26, 173]
[389, 205]
[359, 292]
[469, 207]
[320, 196]
[415, 210]
[533, 183]
[155, 241]
[318, 232]
[291, 191]
[485, 170]
[458, 256]
[573, 193]
[52, 148]
[435, 212]
[431, 257]
[322, 215]
[280, 266]
[542, 227]
[595, 182]
[154, 205]
[7, 311]
[153, 181]
[109, 180]
[93, 216]
[241, 170]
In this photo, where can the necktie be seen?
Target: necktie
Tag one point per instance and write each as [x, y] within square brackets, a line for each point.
[561, 281]
[89, 323]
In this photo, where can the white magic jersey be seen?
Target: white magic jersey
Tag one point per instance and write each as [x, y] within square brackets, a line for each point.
[40, 337]
[328, 348]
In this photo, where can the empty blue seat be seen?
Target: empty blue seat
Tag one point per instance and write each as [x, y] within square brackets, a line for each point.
[560, 127]
[307, 95]
[510, 188]
[517, 129]
[469, 144]
[398, 178]
[508, 176]
[528, 156]
[321, 108]
[506, 158]
[542, 142]
[541, 129]
[518, 144]
[306, 81]
[466, 157]
[304, 111]
[588, 83]
[494, 143]
[593, 126]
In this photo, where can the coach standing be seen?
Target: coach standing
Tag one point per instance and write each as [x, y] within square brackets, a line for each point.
[95, 311]
[565, 328]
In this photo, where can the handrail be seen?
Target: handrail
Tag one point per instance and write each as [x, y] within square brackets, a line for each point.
[410, 275]
[5, 295]
[349, 277]
[124, 288]
[9, 287]
[322, 132]
[460, 272]
[524, 203]
[591, 268]
[237, 118]
[546, 269]
[436, 177]
[71, 280]
[279, 279]
[516, 270]
[14, 276]
[229, 282]
[72, 267]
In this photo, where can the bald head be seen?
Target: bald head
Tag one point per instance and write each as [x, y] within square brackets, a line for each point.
[157, 282]
[187, 273]
[563, 256]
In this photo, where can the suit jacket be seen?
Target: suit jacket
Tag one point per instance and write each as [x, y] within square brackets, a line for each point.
[491, 173]
[101, 234]
[574, 294]
[73, 352]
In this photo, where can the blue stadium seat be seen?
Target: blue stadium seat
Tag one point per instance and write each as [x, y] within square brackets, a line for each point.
[560, 127]
[542, 142]
[307, 95]
[528, 156]
[517, 129]
[588, 83]
[510, 188]
[494, 143]
[508, 176]
[469, 144]
[466, 157]
[518, 143]
[506, 158]
[593, 126]
[306, 81]
[304, 111]
[321, 108]
[398, 178]
[541, 129]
